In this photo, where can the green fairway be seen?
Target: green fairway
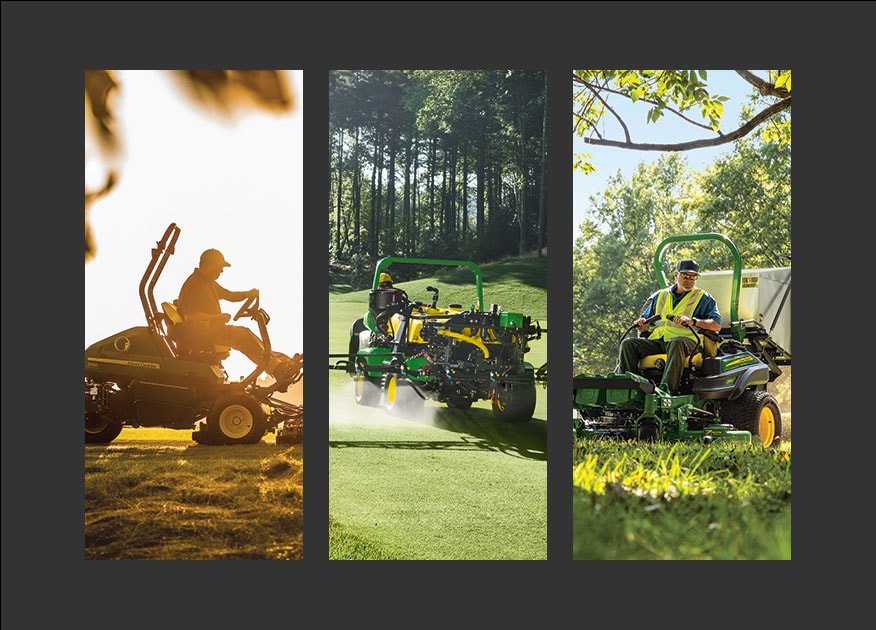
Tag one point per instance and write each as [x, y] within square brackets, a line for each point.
[450, 484]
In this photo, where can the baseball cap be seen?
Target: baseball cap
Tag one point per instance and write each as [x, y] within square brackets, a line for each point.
[686, 265]
[214, 258]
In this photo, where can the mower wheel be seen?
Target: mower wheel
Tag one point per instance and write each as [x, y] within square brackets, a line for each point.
[648, 431]
[237, 418]
[514, 402]
[756, 412]
[367, 390]
[101, 429]
[401, 397]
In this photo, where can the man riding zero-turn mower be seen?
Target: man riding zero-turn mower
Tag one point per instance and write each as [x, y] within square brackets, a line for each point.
[723, 391]
[158, 375]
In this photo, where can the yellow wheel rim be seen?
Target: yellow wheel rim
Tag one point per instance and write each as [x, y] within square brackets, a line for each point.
[766, 426]
[391, 390]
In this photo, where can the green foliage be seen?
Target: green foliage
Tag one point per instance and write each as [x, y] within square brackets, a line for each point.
[683, 93]
[680, 501]
[433, 162]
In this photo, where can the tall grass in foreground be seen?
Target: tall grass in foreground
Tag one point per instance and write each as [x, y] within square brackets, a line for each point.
[148, 498]
[680, 501]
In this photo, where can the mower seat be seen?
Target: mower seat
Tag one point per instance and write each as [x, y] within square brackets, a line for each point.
[658, 361]
[710, 342]
[186, 338]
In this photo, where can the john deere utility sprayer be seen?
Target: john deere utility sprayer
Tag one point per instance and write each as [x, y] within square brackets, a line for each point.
[723, 390]
[160, 375]
[403, 352]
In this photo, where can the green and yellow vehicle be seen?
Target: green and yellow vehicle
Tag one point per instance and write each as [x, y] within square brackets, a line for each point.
[403, 352]
[723, 391]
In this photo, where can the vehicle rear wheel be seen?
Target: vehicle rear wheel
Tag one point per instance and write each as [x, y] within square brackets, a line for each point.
[514, 402]
[101, 428]
[401, 398]
[237, 418]
[756, 412]
[367, 390]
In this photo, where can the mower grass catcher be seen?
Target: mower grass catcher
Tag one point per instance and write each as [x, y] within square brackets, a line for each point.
[722, 394]
[157, 376]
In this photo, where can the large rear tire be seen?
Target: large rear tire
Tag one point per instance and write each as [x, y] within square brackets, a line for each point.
[401, 398]
[237, 418]
[514, 402]
[367, 390]
[756, 412]
[101, 429]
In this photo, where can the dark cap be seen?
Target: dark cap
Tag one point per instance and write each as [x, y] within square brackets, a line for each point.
[687, 265]
[213, 258]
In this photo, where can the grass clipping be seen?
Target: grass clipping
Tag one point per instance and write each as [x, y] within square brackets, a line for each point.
[194, 503]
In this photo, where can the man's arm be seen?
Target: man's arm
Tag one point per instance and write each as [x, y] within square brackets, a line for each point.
[707, 316]
[206, 317]
[235, 296]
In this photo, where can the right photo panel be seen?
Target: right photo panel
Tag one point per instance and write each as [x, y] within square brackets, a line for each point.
[681, 314]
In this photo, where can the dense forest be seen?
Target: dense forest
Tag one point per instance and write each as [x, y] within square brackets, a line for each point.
[446, 164]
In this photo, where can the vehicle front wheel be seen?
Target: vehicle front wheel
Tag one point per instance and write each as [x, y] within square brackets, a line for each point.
[367, 390]
[401, 398]
[101, 428]
[237, 418]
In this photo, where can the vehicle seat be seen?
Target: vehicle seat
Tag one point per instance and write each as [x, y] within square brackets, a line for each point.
[653, 364]
[186, 339]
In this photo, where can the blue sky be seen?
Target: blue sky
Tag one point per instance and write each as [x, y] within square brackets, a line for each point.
[609, 160]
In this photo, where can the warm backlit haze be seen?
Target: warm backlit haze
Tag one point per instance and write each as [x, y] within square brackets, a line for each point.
[231, 184]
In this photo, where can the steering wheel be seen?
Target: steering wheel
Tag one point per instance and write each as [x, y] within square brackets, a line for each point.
[248, 308]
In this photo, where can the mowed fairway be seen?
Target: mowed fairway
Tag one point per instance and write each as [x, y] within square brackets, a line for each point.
[450, 484]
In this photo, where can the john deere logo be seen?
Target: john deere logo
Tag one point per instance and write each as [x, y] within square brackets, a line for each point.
[738, 361]
[122, 344]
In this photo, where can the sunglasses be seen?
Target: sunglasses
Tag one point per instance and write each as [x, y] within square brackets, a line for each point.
[688, 276]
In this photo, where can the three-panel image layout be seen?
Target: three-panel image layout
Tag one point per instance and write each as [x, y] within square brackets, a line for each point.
[669, 418]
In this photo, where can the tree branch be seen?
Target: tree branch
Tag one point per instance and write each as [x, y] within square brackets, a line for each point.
[741, 132]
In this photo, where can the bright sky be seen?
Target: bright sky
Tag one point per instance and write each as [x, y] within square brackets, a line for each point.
[609, 160]
[231, 185]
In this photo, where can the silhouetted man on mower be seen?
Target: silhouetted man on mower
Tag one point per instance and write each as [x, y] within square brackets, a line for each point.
[687, 305]
[199, 302]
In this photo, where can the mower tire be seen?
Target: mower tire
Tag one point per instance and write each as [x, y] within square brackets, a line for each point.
[367, 390]
[514, 402]
[401, 398]
[236, 418]
[100, 428]
[756, 412]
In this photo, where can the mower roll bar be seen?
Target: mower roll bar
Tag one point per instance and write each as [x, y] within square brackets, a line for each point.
[383, 263]
[737, 329]
[160, 253]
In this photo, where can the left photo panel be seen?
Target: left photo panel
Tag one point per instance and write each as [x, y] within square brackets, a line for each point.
[194, 368]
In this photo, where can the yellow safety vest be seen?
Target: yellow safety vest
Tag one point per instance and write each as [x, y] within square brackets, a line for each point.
[666, 329]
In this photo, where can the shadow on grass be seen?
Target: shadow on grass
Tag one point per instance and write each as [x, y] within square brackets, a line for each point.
[478, 430]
